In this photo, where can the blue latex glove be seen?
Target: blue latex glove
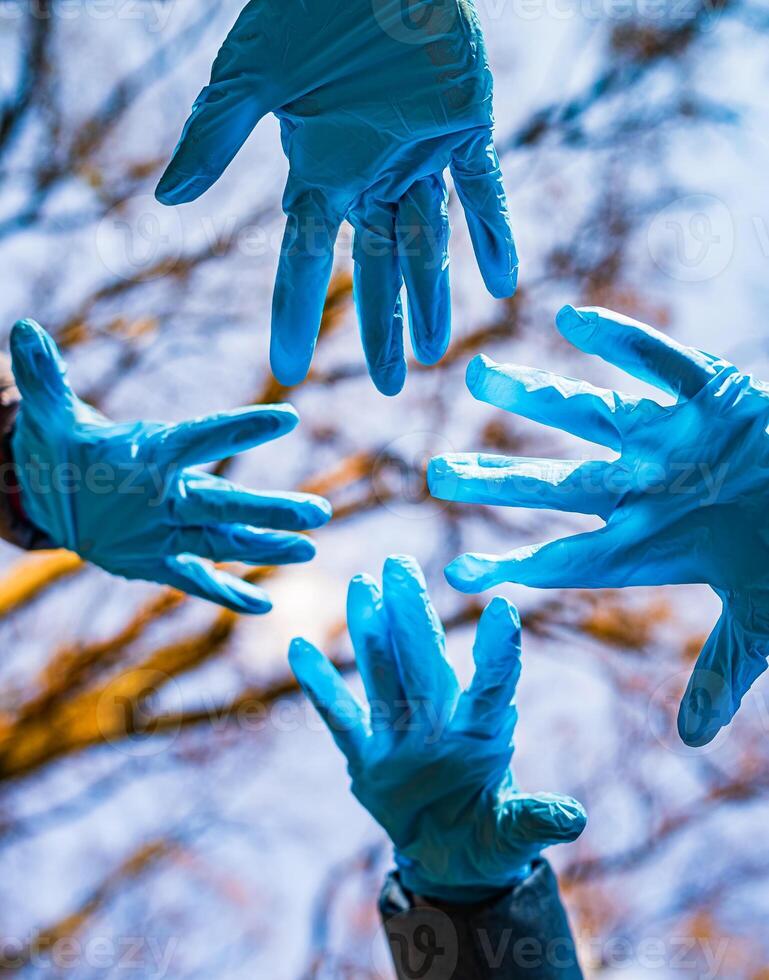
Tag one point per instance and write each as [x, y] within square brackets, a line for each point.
[375, 100]
[431, 763]
[127, 496]
[685, 502]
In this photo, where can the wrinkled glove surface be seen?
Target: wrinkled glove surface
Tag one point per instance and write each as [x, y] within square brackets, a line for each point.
[685, 502]
[430, 762]
[128, 497]
[376, 98]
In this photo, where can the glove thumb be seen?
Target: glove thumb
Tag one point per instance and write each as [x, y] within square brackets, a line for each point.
[540, 820]
[39, 370]
[733, 657]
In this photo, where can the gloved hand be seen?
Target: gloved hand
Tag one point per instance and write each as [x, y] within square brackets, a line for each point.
[375, 99]
[127, 496]
[431, 763]
[685, 502]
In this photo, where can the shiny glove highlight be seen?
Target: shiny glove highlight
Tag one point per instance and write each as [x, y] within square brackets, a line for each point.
[128, 498]
[430, 762]
[375, 100]
[686, 501]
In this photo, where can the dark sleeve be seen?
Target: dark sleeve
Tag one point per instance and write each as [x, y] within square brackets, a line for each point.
[15, 526]
[521, 933]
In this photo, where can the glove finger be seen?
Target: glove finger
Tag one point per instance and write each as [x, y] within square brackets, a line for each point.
[485, 709]
[209, 500]
[417, 632]
[726, 669]
[196, 578]
[542, 819]
[478, 180]
[376, 288]
[224, 114]
[238, 542]
[374, 652]
[219, 436]
[423, 247]
[639, 349]
[39, 370]
[332, 698]
[593, 560]
[509, 481]
[304, 271]
[595, 414]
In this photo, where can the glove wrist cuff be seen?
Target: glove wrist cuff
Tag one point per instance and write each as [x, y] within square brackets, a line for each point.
[416, 882]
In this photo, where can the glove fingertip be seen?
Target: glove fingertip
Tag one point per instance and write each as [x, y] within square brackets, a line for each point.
[471, 573]
[364, 603]
[175, 188]
[711, 700]
[573, 828]
[37, 365]
[502, 610]
[504, 286]
[284, 417]
[298, 550]
[569, 320]
[164, 193]
[694, 727]
[552, 819]
[320, 510]
[24, 330]
[443, 477]
[402, 566]
[240, 596]
[287, 374]
[575, 816]
[30, 340]
[289, 367]
[302, 657]
[389, 382]
[253, 606]
[476, 370]
[362, 585]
